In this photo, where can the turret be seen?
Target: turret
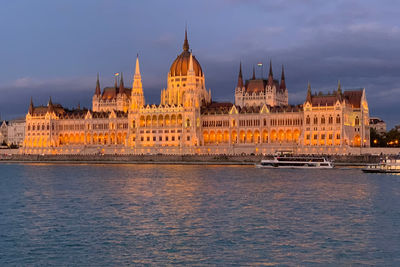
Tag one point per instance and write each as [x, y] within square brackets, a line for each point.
[137, 98]
[121, 85]
[270, 75]
[97, 92]
[240, 77]
[309, 93]
[31, 107]
[191, 69]
[283, 83]
[50, 106]
[339, 92]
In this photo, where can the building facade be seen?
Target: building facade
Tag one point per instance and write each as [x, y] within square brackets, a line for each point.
[187, 121]
[12, 132]
[378, 125]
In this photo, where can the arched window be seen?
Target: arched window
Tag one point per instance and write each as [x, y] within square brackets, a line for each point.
[323, 120]
[337, 119]
[308, 120]
[315, 120]
[357, 121]
[330, 120]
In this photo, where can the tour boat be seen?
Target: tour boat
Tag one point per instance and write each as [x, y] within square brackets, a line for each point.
[296, 163]
[386, 165]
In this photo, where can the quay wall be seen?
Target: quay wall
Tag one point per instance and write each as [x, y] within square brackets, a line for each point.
[353, 156]
[194, 159]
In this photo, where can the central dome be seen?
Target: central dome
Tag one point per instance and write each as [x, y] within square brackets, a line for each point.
[180, 66]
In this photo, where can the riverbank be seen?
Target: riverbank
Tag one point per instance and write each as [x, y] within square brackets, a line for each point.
[340, 160]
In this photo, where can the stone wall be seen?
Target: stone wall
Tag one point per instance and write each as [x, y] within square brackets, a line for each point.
[193, 159]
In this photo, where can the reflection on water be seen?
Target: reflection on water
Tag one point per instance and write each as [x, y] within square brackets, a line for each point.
[169, 214]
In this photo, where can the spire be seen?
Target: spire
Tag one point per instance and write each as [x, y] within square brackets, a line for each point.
[240, 77]
[137, 69]
[31, 107]
[186, 42]
[121, 85]
[137, 97]
[270, 69]
[270, 75]
[191, 63]
[50, 107]
[283, 83]
[98, 90]
[339, 91]
[309, 92]
[254, 74]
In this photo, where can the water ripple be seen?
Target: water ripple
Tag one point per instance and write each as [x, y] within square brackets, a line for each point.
[103, 215]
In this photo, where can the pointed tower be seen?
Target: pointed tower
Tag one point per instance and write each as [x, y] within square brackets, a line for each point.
[186, 42]
[270, 75]
[240, 77]
[254, 74]
[191, 69]
[97, 92]
[121, 85]
[137, 97]
[31, 107]
[283, 83]
[339, 89]
[50, 106]
[309, 93]
[96, 99]
[339, 92]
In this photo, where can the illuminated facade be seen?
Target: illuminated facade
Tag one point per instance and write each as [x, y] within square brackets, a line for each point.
[187, 121]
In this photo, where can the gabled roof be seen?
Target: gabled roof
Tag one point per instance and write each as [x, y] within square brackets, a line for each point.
[42, 110]
[255, 86]
[353, 97]
[110, 93]
[323, 100]
[217, 108]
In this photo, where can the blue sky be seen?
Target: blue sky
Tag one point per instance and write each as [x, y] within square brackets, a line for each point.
[57, 47]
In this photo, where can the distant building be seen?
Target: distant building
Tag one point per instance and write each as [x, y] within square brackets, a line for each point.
[187, 121]
[13, 132]
[3, 132]
[16, 132]
[378, 125]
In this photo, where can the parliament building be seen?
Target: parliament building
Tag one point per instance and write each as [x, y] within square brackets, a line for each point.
[188, 121]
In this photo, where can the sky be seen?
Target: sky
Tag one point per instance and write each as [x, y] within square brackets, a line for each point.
[56, 48]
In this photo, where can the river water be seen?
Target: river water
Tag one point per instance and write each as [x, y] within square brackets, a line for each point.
[102, 215]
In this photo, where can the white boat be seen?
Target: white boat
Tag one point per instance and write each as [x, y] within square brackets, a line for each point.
[296, 163]
[386, 165]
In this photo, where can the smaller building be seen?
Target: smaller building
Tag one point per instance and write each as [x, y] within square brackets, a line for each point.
[3, 132]
[16, 132]
[378, 125]
[12, 132]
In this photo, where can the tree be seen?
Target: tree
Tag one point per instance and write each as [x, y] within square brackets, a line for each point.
[377, 140]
